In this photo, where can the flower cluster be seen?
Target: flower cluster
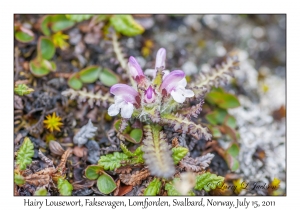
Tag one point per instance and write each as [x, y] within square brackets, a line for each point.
[157, 93]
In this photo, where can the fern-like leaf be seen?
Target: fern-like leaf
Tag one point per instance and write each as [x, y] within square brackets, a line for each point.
[25, 153]
[197, 164]
[217, 75]
[112, 161]
[83, 95]
[157, 154]
[208, 181]
[193, 111]
[183, 124]
[178, 153]
[153, 188]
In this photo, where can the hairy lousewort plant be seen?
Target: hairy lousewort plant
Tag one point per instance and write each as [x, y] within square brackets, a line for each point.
[162, 100]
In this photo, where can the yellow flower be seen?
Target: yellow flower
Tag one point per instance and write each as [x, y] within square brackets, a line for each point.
[53, 122]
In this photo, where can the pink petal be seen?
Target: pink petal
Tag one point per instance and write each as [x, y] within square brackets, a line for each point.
[135, 68]
[125, 91]
[172, 79]
[160, 58]
[149, 96]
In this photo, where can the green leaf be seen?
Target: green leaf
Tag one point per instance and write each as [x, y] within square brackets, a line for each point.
[232, 162]
[89, 74]
[208, 181]
[171, 190]
[41, 67]
[19, 179]
[64, 187]
[92, 172]
[231, 121]
[22, 89]
[223, 100]
[74, 82]
[60, 23]
[153, 188]
[215, 131]
[233, 150]
[138, 156]
[136, 134]
[41, 192]
[232, 154]
[37, 69]
[112, 161]
[108, 78]
[46, 48]
[117, 127]
[178, 153]
[25, 153]
[216, 117]
[126, 25]
[24, 37]
[106, 184]
[125, 150]
[79, 18]
[45, 25]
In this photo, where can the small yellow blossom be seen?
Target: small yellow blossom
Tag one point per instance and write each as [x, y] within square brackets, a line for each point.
[53, 122]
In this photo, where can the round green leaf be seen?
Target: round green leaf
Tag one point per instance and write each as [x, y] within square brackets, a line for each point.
[106, 184]
[231, 122]
[40, 68]
[23, 37]
[223, 100]
[216, 117]
[108, 78]
[89, 74]
[60, 23]
[232, 162]
[233, 150]
[74, 82]
[19, 179]
[92, 172]
[126, 25]
[46, 48]
[64, 187]
[79, 18]
[136, 134]
[41, 192]
[44, 25]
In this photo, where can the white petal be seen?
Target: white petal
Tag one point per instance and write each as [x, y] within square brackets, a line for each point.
[127, 110]
[182, 83]
[188, 93]
[113, 110]
[118, 99]
[178, 96]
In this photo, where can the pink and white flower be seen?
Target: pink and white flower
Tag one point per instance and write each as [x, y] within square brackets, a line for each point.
[125, 98]
[174, 83]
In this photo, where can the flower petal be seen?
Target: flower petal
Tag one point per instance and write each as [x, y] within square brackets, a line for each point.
[135, 68]
[125, 91]
[188, 93]
[126, 110]
[113, 110]
[160, 58]
[178, 96]
[172, 79]
[149, 95]
[182, 82]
